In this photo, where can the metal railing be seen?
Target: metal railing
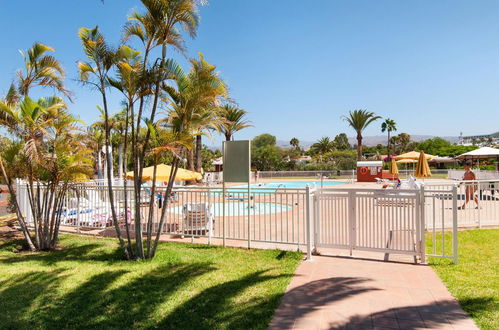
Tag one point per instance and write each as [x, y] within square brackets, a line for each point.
[440, 219]
[265, 215]
[390, 221]
[480, 175]
[370, 220]
[436, 172]
[343, 174]
[477, 202]
[348, 174]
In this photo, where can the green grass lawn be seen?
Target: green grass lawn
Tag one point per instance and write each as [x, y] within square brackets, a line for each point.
[187, 286]
[474, 281]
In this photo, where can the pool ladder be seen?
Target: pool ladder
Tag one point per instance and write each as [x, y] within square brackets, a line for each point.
[279, 186]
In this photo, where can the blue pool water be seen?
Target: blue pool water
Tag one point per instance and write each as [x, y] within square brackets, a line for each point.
[241, 209]
[271, 187]
[291, 184]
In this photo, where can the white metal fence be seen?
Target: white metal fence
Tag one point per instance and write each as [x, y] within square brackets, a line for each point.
[389, 221]
[274, 215]
[349, 174]
[371, 220]
[477, 202]
[480, 175]
[344, 174]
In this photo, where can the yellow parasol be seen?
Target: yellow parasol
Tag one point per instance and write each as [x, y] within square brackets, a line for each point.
[422, 167]
[413, 155]
[80, 177]
[163, 173]
[406, 161]
[394, 170]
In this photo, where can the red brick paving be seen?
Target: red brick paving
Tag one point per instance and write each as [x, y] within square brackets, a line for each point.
[345, 293]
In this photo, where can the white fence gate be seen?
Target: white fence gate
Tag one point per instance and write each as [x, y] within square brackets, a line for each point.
[370, 220]
[420, 223]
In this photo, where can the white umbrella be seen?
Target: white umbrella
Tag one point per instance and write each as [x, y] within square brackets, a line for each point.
[481, 153]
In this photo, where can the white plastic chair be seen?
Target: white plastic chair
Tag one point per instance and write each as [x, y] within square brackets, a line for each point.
[198, 219]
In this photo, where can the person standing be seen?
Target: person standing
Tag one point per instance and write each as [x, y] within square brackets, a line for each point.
[470, 187]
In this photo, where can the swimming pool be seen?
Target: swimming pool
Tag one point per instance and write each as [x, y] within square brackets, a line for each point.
[241, 209]
[271, 187]
[291, 184]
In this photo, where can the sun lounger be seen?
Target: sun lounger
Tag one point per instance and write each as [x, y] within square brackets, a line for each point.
[394, 197]
[197, 219]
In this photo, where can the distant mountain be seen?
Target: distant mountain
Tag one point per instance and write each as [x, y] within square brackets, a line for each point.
[372, 140]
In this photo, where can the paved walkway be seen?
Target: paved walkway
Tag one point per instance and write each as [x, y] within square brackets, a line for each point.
[345, 293]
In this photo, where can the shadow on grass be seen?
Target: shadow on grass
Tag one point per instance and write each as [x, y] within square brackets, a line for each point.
[14, 244]
[19, 294]
[478, 306]
[105, 300]
[85, 252]
[115, 296]
[217, 306]
[200, 246]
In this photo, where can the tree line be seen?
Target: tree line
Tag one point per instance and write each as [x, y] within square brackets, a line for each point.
[338, 154]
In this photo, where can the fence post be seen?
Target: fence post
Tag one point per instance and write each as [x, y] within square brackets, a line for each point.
[223, 214]
[352, 220]
[317, 218]
[249, 216]
[309, 223]
[78, 210]
[479, 186]
[422, 224]
[454, 225]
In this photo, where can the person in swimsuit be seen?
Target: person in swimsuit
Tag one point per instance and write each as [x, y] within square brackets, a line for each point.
[470, 188]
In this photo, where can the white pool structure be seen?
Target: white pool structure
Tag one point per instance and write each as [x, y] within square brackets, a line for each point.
[234, 209]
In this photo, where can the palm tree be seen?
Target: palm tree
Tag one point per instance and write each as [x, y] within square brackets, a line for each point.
[94, 139]
[231, 120]
[161, 25]
[404, 142]
[210, 89]
[322, 146]
[50, 157]
[295, 143]
[101, 59]
[359, 120]
[388, 126]
[194, 103]
[41, 69]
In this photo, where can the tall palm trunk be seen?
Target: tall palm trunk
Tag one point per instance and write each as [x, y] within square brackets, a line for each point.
[110, 173]
[388, 146]
[199, 149]
[20, 217]
[128, 215]
[228, 136]
[99, 164]
[190, 159]
[359, 146]
[120, 162]
[142, 155]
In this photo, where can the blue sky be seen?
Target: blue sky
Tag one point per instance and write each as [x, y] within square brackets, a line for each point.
[297, 66]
